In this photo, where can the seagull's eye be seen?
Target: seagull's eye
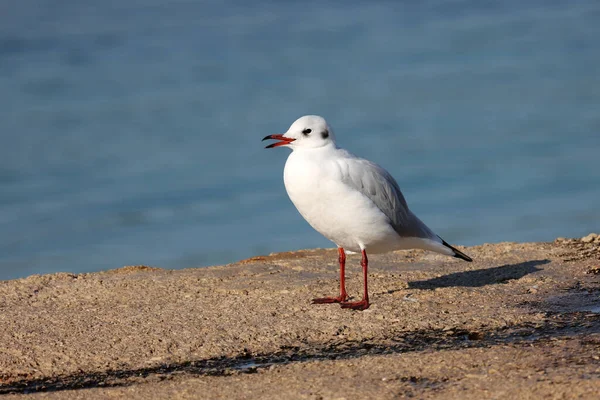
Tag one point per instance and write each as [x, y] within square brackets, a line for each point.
[307, 131]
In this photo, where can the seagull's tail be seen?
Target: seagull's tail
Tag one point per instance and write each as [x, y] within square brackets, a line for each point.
[430, 241]
[457, 253]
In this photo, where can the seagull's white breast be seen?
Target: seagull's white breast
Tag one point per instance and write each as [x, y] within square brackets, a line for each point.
[314, 180]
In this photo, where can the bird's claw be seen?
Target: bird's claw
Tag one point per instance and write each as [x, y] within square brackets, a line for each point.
[330, 300]
[356, 305]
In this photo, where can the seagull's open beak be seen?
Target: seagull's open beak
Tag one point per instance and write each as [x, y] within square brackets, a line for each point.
[284, 140]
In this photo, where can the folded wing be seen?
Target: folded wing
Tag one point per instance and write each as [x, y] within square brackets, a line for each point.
[382, 189]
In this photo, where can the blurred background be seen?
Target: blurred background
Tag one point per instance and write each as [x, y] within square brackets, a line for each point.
[130, 130]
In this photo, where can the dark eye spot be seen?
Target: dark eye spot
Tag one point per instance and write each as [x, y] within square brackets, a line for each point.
[307, 131]
[325, 134]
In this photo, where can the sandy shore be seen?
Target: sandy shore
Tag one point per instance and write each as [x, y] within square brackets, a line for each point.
[521, 321]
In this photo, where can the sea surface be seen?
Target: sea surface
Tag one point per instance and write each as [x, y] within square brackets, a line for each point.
[130, 130]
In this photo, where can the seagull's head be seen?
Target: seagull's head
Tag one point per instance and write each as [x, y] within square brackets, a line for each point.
[308, 132]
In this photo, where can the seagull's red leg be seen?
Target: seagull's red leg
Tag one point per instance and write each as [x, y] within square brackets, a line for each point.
[364, 303]
[343, 295]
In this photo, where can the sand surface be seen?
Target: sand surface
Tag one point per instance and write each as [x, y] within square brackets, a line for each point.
[521, 321]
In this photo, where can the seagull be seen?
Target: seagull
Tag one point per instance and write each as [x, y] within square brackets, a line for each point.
[351, 201]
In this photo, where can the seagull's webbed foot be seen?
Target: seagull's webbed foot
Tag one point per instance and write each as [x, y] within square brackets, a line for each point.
[330, 300]
[356, 305]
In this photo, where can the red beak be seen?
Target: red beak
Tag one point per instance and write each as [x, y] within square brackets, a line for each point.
[283, 140]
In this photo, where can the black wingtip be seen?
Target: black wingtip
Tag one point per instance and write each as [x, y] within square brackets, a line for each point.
[457, 253]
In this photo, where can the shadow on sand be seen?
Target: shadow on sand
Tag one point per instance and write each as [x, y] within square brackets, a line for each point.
[481, 277]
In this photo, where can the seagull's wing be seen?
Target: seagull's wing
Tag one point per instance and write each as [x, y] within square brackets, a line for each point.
[382, 189]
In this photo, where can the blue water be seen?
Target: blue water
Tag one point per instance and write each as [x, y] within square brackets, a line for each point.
[130, 130]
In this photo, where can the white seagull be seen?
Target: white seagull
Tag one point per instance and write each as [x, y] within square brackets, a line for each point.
[351, 201]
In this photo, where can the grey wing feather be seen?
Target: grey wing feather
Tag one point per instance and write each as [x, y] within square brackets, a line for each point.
[382, 189]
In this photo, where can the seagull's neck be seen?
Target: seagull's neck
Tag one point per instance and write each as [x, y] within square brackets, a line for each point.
[316, 151]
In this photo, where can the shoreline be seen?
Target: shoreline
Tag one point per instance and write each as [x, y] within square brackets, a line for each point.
[522, 320]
